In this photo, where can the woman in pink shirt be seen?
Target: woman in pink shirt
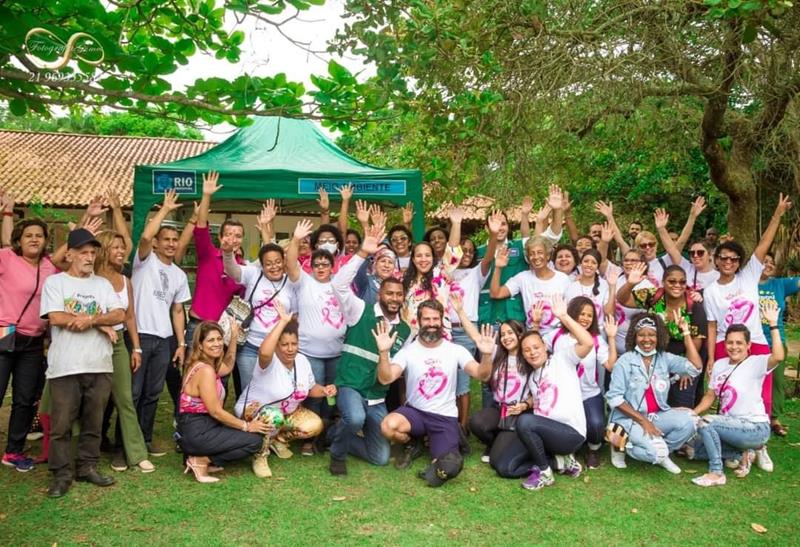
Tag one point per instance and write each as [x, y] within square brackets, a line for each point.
[23, 269]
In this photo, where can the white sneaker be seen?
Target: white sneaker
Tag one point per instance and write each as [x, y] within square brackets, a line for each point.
[618, 459]
[670, 466]
[763, 461]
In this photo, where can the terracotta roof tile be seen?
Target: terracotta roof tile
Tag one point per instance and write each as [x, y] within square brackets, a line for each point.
[476, 208]
[67, 169]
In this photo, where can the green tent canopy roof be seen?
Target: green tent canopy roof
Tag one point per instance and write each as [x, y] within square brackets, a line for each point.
[280, 158]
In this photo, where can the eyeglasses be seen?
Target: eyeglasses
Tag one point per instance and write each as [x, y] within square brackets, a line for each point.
[631, 261]
[647, 245]
[729, 258]
[321, 265]
[399, 239]
[698, 252]
[681, 282]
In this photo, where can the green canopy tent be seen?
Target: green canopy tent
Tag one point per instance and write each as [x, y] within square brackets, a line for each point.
[279, 158]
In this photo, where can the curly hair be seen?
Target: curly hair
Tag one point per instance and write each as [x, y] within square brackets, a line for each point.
[411, 273]
[662, 334]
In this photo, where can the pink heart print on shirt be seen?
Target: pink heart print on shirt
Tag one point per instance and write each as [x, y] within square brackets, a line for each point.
[619, 312]
[547, 312]
[581, 370]
[728, 396]
[433, 382]
[290, 405]
[546, 398]
[512, 386]
[331, 313]
[266, 315]
[739, 312]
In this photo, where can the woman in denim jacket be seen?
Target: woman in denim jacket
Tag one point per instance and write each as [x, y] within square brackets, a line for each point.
[639, 388]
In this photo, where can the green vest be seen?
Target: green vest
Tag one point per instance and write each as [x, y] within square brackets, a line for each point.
[491, 310]
[358, 366]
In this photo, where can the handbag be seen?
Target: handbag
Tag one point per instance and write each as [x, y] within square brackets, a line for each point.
[509, 423]
[8, 341]
[242, 312]
[616, 435]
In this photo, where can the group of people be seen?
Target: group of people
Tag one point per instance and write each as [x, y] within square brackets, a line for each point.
[353, 340]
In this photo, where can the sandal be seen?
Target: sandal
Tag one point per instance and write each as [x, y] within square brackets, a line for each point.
[710, 480]
[744, 465]
[197, 469]
[779, 429]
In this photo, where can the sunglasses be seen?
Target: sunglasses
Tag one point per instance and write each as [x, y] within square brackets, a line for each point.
[728, 258]
[681, 282]
[698, 252]
[647, 245]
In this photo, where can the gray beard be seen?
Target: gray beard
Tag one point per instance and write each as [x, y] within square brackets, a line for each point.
[430, 335]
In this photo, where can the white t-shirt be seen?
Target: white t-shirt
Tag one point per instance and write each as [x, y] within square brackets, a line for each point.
[265, 317]
[698, 280]
[533, 290]
[599, 300]
[557, 391]
[276, 382]
[624, 313]
[467, 282]
[737, 302]
[321, 321]
[78, 352]
[156, 286]
[509, 388]
[741, 395]
[431, 375]
[655, 270]
[588, 369]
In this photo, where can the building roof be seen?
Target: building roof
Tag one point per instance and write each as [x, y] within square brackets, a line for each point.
[67, 169]
[476, 209]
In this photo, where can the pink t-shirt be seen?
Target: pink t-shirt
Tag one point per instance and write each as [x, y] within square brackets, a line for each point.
[18, 279]
[213, 289]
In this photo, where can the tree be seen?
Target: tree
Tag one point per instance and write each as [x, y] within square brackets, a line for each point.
[114, 54]
[101, 124]
[503, 81]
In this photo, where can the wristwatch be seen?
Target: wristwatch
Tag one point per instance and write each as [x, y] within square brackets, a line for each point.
[137, 350]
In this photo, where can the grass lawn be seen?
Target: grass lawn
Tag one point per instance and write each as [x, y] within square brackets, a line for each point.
[641, 505]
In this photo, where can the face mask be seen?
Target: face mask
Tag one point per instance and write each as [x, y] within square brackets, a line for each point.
[330, 247]
[643, 353]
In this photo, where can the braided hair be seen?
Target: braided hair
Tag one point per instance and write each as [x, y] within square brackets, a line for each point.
[594, 253]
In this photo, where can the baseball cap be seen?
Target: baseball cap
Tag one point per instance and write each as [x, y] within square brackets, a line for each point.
[79, 237]
[443, 469]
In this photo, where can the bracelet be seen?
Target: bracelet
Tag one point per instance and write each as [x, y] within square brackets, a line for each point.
[244, 426]
[137, 350]
[182, 345]
[8, 213]
[686, 333]
[774, 327]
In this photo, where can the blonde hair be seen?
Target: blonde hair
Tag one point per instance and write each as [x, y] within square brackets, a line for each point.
[643, 236]
[106, 239]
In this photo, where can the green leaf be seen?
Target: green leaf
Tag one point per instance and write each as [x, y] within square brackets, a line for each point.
[18, 107]
[749, 34]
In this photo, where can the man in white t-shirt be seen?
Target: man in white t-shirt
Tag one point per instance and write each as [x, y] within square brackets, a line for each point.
[160, 288]
[430, 364]
[81, 308]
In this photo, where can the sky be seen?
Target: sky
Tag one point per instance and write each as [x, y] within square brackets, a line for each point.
[265, 53]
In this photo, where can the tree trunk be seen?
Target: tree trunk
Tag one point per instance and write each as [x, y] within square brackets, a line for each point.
[740, 188]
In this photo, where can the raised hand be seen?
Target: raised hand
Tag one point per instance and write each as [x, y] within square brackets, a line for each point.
[605, 209]
[346, 192]
[537, 311]
[195, 212]
[210, 185]
[769, 311]
[637, 273]
[323, 201]
[6, 201]
[495, 222]
[268, 213]
[302, 230]
[612, 276]
[661, 218]
[555, 199]
[283, 315]
[408, 213]
[456, 301]
[784, 204]
[558, 305]
[501, 259]
[377, 215]
[566, 203]
[607, 233]
[543, 213]
[527, 206]
[456, 215]
[373, 236]
[362, 212]
[485, 343]
[698, 206]
[112, 199]
[383, 339]
[679, 320]
[611, 327]
[93, 224]
[171, 201]
[97, 206]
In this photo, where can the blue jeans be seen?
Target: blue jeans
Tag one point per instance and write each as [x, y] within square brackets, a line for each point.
[246, 361]
[594, 409]
[357, 415]
[677, 427]
[147, 383]
[324, 374]
[726, 437]
[462, 378]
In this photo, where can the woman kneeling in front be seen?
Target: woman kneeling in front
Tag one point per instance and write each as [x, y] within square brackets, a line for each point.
[742, 423]
[209, 436]
[638, 394]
